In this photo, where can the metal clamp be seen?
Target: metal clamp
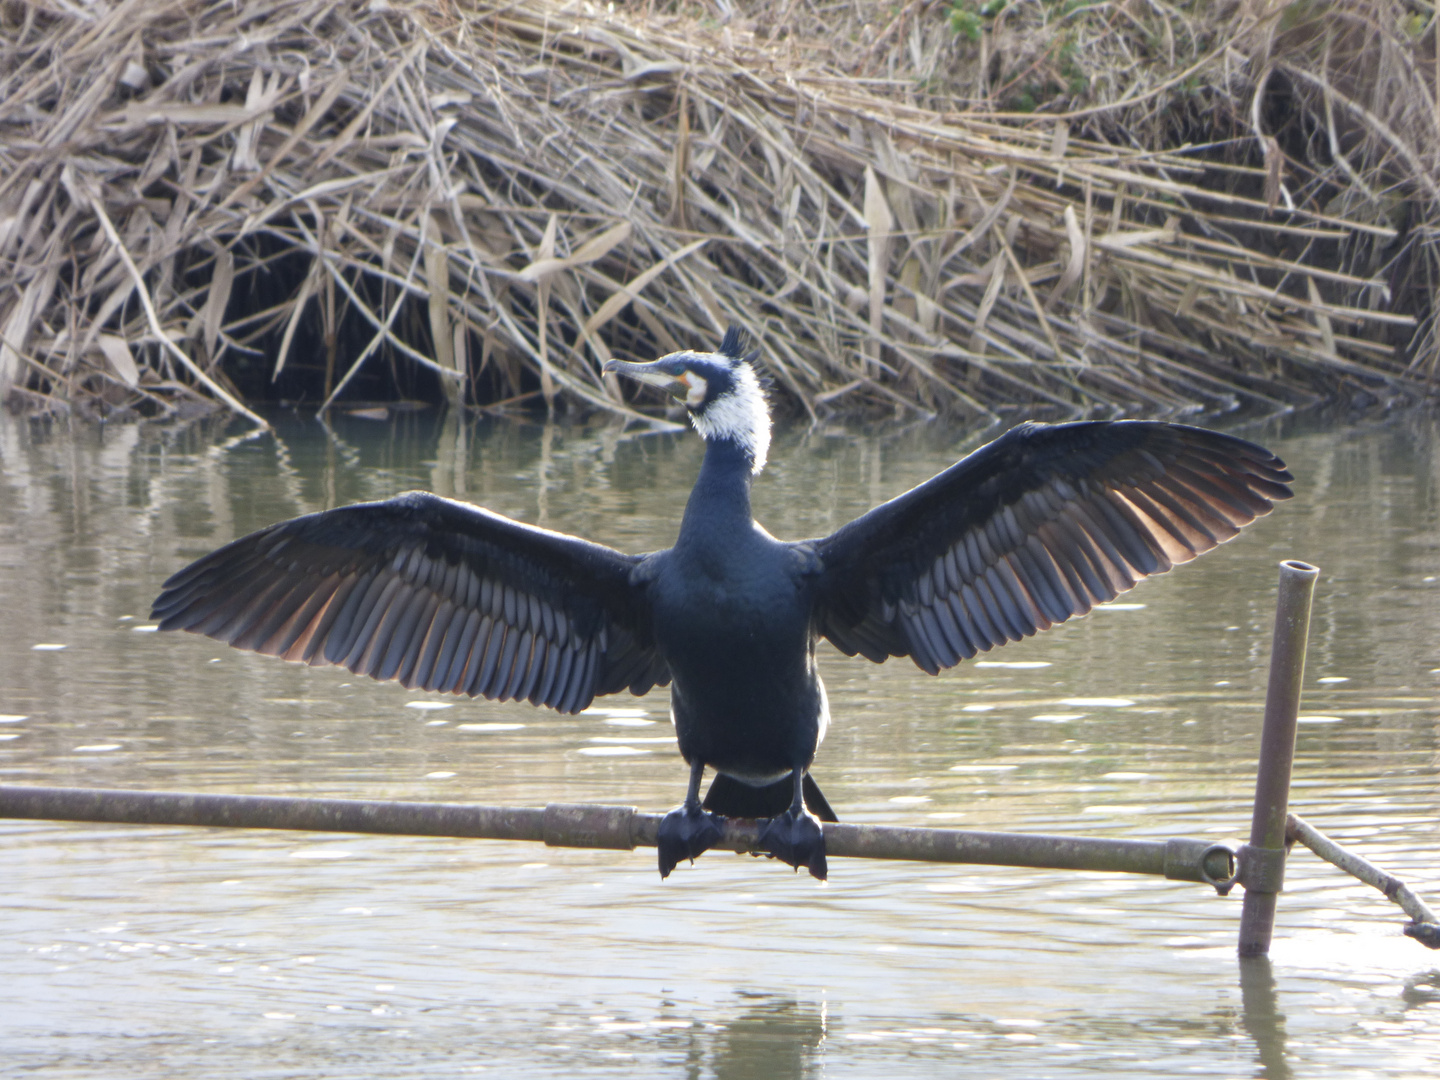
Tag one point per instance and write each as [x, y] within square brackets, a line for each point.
[1427, 933]
[1224, 880]
[1262, 869]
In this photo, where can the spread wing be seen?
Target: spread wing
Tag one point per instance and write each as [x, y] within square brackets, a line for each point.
[1038, 526]
[433, 593]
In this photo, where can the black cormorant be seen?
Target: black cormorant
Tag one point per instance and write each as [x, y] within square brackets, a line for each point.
[1038, 526]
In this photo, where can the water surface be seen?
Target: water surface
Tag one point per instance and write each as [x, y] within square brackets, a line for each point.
[127, 951]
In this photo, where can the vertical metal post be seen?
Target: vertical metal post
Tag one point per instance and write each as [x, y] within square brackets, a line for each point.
[1277, 743]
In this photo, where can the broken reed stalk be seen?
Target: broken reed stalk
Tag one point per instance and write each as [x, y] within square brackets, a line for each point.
[544, 185]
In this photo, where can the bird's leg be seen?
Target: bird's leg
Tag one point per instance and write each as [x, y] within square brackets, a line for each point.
[796, 836]
[687, 831]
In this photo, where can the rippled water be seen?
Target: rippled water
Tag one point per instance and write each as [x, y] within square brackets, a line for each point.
[142, 951]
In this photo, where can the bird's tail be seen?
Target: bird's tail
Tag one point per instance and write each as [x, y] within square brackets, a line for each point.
[735, 798]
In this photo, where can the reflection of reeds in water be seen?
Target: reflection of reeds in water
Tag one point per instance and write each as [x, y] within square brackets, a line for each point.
[197, 200]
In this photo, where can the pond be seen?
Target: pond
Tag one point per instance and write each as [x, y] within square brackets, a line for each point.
[135, 951]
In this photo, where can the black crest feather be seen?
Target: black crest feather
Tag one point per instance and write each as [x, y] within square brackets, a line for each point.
[734, 343]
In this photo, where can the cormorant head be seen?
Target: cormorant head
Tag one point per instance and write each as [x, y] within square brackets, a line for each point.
[720, 389]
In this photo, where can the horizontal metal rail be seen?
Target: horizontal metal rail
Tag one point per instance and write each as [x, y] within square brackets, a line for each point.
[585, 825]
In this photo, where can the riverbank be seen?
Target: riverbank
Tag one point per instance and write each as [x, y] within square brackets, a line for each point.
[930, 209]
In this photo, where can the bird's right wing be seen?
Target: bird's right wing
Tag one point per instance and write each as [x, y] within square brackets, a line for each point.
[433, 593]
[1040, 525]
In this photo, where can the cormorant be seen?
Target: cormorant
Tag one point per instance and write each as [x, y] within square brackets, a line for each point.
[1026, 532]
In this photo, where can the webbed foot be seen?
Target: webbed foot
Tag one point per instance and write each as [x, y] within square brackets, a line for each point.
[798, 839]
[685, 832]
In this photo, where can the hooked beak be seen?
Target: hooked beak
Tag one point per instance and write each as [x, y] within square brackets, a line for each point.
[677, 386]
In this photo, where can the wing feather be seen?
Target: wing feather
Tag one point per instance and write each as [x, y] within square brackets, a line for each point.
[432, 593]
[428, 652]
[473, 655]
[1034, 529]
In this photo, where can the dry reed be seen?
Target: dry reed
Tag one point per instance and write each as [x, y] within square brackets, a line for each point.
[508, 194]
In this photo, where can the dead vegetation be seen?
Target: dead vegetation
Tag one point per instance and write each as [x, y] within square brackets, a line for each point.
[1138, 206]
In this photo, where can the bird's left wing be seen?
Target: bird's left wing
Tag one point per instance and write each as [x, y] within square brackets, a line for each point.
[1038, 526]
[433, 593]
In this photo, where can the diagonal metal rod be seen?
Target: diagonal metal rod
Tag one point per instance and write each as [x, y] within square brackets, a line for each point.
[619, 827]
[1425, 928]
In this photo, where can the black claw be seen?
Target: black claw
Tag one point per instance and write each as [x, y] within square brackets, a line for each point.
[685, 832]
[797, 839]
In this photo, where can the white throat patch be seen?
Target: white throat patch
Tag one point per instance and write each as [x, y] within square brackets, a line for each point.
[741, 415]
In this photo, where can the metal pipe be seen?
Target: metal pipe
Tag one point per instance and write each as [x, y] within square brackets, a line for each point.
[271, 812]
[1277, 750]
[1425, 928]
[618, 827]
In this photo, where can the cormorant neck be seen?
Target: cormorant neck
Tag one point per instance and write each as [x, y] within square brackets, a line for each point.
[721, 496]
[740, 414]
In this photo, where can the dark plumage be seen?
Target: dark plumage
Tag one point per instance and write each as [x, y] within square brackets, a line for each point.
[1039, 526]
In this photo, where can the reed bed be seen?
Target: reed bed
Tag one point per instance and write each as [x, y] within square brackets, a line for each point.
[196, 198]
